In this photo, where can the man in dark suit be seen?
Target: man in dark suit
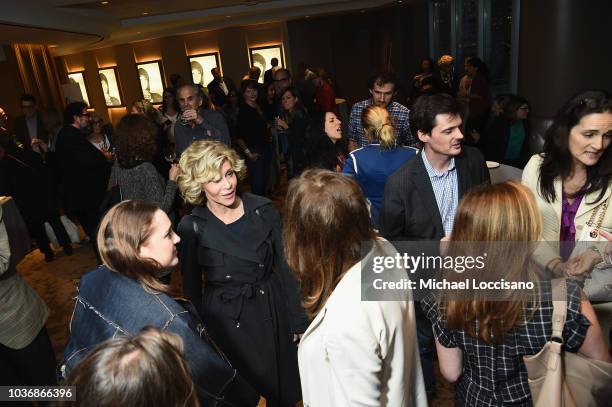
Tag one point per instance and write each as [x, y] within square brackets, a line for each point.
[219, 88]
[421, 198]
[30, 126]
[268, 75]
[85, 171]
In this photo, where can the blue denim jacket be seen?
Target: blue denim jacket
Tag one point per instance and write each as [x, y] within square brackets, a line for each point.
[109, 304]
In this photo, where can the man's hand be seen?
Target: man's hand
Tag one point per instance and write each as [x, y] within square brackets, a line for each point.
[108, 155]
[41, 144]
[191, 116]
[253, 156]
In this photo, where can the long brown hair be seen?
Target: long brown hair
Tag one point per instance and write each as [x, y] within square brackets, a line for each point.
[326, 221]
[496, 217]
[123, 230]
[144, 370]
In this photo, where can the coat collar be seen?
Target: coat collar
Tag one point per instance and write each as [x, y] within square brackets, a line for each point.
[423, 184]
[346, 284]
[219, 237]
[589, 201]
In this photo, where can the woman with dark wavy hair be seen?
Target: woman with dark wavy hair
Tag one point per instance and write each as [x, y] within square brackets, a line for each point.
[572, 180]
[136, 145]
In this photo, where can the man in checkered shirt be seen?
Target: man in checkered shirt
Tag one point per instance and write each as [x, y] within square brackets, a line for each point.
[382, 89]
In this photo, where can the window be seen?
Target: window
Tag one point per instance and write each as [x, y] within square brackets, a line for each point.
[485, 28]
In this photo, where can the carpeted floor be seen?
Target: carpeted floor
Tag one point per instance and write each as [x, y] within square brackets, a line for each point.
[56, 283]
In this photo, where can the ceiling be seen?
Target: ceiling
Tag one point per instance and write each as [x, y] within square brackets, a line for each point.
[76, 25]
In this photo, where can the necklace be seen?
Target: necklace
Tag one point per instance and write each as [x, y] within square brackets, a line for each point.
[595, 232]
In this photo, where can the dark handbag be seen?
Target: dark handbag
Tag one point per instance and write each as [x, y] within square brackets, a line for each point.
[113, 197]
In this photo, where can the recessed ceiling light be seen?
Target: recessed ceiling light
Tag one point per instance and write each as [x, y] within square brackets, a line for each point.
[104, 3]
[228, 16]
[137, 32]
[145, 13]
[306, 16]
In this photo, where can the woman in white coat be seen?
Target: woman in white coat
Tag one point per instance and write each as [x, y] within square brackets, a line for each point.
[572, 183]
[354, 352]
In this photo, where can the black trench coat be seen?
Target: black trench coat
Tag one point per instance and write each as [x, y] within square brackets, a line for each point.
[246, 294]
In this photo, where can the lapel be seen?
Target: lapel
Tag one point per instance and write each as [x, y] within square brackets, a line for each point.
[589, 202]
[217, 236]
[463, 173]
[421, 180]
[557, 205]
[314, 324]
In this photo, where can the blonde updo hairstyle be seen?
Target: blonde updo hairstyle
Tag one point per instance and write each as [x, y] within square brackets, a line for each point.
[200, 163]
[378, 126]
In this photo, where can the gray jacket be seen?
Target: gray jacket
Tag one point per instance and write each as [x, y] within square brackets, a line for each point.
[143, 182]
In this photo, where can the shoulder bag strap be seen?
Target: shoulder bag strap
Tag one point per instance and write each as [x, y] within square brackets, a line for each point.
[559, 300]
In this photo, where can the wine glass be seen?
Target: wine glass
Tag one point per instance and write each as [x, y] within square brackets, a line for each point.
[170, 157]
[170, 154]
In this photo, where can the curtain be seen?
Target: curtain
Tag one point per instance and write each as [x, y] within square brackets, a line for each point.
[39, 75]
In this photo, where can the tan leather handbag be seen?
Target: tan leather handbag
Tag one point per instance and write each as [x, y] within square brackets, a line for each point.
[564, 379]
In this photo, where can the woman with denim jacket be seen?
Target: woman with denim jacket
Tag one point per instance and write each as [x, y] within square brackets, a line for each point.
[122, 297]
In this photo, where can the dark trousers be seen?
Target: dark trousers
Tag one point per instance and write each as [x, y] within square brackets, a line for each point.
[36, 228]
[427, 349]
[259, 170]
[33, 365]
[89, 220]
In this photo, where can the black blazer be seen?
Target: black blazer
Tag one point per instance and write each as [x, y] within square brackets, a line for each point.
[409, 209]
[23, 134]
[268, 76]
[217, 95]
[84, 170]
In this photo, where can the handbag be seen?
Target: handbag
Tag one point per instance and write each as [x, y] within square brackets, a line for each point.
[598, 284]
[564, 379]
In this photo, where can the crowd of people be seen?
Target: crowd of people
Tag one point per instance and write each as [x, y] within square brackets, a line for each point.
[270, 303]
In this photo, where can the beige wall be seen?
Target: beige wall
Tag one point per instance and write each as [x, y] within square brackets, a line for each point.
[231, 43]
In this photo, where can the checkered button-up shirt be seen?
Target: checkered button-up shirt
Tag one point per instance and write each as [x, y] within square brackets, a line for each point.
[446, 190]
[495, 374]
[400, 115]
